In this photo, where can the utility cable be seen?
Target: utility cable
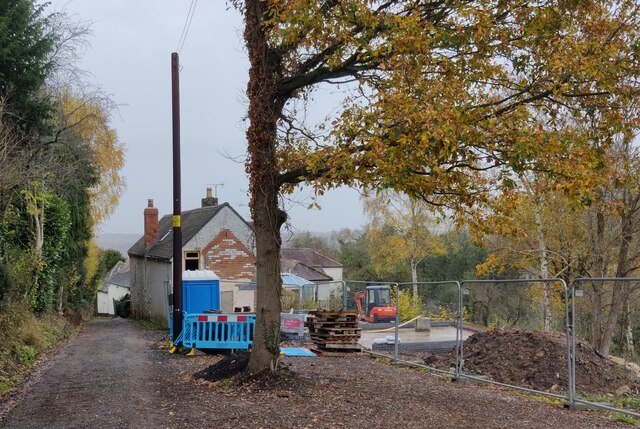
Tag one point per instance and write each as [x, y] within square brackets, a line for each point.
[187, 25]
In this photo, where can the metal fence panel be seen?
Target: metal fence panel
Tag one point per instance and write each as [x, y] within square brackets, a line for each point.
[605, 313]
[492, 309]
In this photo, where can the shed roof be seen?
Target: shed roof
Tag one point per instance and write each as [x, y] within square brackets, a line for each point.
[192, 221]
[303, 270]
[119, 275]
[310, 258]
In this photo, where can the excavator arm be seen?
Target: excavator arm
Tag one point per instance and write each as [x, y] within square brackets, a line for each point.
[358, 297]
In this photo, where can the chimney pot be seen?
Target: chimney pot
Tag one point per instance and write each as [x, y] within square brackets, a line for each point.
[209, 200]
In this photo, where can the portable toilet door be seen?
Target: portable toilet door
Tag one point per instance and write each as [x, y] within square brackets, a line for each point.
[200, 291]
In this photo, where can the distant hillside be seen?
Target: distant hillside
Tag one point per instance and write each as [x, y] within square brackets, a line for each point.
[120, 242]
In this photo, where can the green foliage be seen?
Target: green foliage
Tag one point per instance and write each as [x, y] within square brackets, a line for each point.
[25, 338]
[458, 261]
[409, 306]
[624, 418]
[27, 355]
[355, 259]
[109, 258]
[25, 60]
[288, 299]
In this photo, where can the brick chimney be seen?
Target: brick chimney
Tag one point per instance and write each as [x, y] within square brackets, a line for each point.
[209, 200]
[150, 224]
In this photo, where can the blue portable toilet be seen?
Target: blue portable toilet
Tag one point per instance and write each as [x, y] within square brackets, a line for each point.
[200, 291]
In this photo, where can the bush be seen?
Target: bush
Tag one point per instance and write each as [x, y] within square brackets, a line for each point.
[409, 306]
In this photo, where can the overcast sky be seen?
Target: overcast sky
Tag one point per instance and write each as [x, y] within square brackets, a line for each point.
[129, 58]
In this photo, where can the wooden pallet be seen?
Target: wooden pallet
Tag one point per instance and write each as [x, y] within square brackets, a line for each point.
[334, 331]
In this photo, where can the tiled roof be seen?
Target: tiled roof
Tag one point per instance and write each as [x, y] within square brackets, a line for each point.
[301, 269]
[310, 257]
[119, 275]
[192, 222]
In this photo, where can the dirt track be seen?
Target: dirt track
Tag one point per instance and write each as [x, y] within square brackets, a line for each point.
[114, 376]
[106, 377]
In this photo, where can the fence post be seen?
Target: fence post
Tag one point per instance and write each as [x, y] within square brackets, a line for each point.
[397, 333]
[568, 334]
[573, 343]
[459, 368]
[459, 333]
[344, 295]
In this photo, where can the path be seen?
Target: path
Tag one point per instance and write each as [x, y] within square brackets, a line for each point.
[106, 378]
[113, 376]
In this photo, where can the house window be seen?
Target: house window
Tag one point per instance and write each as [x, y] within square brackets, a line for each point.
[191, 260]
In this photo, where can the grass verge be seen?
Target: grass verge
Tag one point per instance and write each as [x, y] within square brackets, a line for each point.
[26, 338]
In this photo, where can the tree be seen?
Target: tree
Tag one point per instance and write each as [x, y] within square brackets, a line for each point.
[89, 117]
[613, 224]
[545, 236]
[459, 260]
[399, 232]
[25, 62]
[356, 260]
[56, 148]
[319, 243]
[444, 95]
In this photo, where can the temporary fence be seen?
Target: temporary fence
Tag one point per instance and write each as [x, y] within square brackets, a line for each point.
[600, 319]
[522, 304]
[452, 311]
[426, 323]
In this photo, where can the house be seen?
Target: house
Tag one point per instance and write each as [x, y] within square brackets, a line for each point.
[217, 238]
[315, 267]
[116, 284]
[214, 237]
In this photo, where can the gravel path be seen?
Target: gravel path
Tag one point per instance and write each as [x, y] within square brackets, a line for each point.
[116, 375]
[107, 377]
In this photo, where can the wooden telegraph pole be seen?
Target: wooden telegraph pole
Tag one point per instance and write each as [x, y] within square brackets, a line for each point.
[177, 209]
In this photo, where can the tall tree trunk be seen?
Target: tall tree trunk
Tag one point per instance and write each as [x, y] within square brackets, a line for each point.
[620, 292]
[414, 276]
[544, 267]
[629, 346]
[597, 236]
[265, 108]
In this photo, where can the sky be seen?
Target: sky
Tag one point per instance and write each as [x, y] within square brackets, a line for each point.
[129, 58]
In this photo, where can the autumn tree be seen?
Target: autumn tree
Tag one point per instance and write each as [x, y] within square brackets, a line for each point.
[89, 117]
[544, 236]
[445, 94]
[401, 231]
[613, 224]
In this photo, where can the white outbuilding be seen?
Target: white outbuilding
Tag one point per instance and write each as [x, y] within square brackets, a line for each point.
[115, 286]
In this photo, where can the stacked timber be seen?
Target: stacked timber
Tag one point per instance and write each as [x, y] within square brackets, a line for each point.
[334, 331]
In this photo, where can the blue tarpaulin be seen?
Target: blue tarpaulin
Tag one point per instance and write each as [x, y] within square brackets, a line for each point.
[296, 351]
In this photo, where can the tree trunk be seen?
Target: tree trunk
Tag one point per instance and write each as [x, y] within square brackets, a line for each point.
[597, 233]
[629, 346]
[544, 267]
[620, 292]
[265, 107]
[414, 277]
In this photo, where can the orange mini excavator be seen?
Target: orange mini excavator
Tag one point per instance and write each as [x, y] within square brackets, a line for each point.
[377, 304]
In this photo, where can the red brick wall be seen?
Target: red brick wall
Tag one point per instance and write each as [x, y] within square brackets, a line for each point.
[226, 256]
[150, 224]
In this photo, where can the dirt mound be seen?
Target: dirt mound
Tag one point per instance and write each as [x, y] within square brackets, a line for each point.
[229, 366]
[538, 360]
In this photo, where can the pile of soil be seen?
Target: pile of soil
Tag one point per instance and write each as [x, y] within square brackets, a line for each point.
[538, 360]
[228, 367]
